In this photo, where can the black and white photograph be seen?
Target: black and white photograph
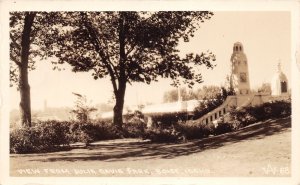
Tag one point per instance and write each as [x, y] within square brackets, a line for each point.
[164, 92]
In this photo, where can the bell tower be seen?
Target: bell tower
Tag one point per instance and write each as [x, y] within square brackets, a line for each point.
[239, 78]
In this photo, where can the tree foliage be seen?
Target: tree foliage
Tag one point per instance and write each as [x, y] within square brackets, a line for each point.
[129, 47]
[212, 97]
[42, 27]
[265, 88]
[172, 95]
[207, 92]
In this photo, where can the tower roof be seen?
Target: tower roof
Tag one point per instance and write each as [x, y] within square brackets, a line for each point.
[238, 43]
[238, 47]
[279, 76]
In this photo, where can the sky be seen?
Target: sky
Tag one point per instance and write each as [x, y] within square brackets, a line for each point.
[266, 37]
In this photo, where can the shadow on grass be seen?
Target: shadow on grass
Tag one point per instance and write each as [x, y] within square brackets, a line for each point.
[143, 151]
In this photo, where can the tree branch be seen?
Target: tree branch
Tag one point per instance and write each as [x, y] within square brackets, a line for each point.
[97, 45]
[130, 50]
[14, 42]
[14, 59]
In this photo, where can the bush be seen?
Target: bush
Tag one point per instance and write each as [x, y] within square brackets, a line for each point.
[276, 109]
[135, 125]
[53, 135]
[43, 137]
[21, 142]
[192, 130]
[223, 128]
[206, 106]
[134, 129]
[169, 134]
[238, 118]
[166, 120]
[89, 132]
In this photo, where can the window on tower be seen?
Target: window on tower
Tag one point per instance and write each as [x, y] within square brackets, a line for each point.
[243, 77]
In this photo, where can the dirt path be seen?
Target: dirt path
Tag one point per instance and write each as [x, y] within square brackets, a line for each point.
[263, 149]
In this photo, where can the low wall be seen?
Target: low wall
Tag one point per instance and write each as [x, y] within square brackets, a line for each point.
[238, 101]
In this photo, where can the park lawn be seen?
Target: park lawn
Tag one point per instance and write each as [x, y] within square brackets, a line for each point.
[262, 149]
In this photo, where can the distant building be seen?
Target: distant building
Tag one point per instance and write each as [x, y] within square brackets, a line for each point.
[239, 77]
[279, 83]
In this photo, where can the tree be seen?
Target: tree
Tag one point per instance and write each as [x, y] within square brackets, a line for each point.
[172, 95]
[131, 47]
[28, 31]
[20, 36]
[212, 96]
[208, 92]
[82, 109]
[265, 88]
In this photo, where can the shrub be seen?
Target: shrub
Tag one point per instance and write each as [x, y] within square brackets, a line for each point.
[135, 125]
[20, 141]
[223, 128]
[52, 135]
[206, 106]
[134, 129]
[192, 130]
[169, 134]
[43, 137]
[276, 109]
[166, 120]
[238, 118]
[81, 132]
[89, 132]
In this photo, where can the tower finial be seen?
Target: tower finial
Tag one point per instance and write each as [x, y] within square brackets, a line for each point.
[279, 66]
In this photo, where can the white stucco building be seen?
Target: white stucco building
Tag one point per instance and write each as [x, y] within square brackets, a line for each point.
[279, 83]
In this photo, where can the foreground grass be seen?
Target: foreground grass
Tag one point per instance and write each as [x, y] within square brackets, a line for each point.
[262, 149]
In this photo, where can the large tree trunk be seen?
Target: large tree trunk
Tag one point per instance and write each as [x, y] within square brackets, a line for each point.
[120, 92]
[24, 87]
[25, 109]
[118, 108]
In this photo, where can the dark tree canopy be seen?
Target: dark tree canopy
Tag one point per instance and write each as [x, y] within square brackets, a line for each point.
[42, 27]
[129, 47]
[141, 46]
